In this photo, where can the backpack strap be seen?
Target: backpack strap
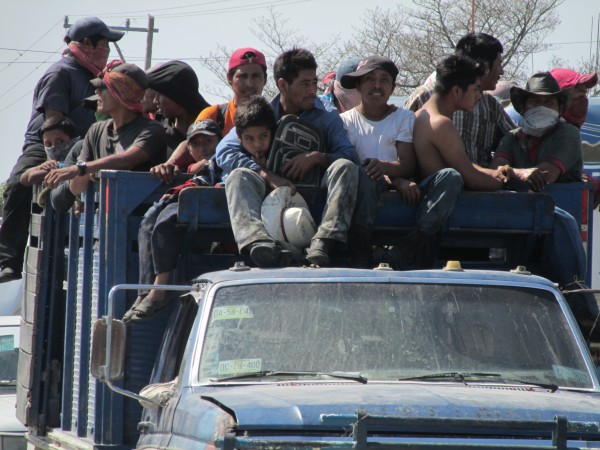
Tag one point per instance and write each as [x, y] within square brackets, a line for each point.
[221, 112]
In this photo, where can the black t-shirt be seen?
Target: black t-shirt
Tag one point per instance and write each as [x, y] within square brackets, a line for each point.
[63, 87]
[103, 140]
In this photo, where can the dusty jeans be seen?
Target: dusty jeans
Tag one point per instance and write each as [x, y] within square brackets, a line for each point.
[246, 191]
[439, 194]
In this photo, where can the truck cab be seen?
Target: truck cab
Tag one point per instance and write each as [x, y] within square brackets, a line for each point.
[298, 358]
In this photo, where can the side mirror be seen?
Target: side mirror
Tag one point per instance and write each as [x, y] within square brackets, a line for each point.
[116, 353]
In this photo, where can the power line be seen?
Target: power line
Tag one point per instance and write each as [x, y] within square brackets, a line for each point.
[246, 7]
[151, 11]
[29, 48]
[23, 78]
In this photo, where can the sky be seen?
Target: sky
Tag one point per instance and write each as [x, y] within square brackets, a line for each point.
[31, 33]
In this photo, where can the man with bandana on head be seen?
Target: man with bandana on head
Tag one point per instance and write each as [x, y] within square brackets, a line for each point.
[126, 141]
[60, 92]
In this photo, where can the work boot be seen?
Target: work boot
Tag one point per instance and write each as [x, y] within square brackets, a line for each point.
[265, 254]
[318, 252]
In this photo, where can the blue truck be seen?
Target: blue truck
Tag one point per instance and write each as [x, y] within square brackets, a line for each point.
[302, 358]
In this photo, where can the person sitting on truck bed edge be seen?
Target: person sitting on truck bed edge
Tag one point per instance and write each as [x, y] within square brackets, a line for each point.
[178, 100]
[126, 141]
[295, 74]
[542, 151]
[483, 127]
[160, 237]
[438, 145]
[247, 76]
[59, 92]
[383, 137]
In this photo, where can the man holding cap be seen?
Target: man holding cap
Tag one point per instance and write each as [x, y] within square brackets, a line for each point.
[126, 141]
[383, 137]
[60, 92]
[247, 76]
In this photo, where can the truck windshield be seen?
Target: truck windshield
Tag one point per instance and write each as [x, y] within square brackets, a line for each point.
[390, 332]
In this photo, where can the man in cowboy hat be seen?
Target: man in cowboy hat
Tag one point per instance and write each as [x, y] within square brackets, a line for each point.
[545, 150]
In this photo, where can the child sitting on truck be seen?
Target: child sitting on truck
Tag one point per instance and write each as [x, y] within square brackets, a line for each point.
[58, 136]
[255, 126]
[160, 239]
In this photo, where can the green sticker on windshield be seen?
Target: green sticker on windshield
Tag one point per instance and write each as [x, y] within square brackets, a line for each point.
[236, 366]
[578, 377]
[7, 343]
[231, 312]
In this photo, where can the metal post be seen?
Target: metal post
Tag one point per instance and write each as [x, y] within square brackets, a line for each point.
[149, 38]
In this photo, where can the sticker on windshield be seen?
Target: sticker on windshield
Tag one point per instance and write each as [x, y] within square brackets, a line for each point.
[575, 376]
[7, 343]
[236, 366]
[231, 312]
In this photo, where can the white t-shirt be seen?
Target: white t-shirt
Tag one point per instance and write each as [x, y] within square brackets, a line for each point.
[377, 139]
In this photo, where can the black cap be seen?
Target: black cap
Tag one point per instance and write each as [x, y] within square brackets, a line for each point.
[131, 70]
[178, 81]
[369, 65]
[92, 26]
[205, 126]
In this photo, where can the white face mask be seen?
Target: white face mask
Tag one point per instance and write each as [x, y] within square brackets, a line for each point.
[538, 120]
[60, 151]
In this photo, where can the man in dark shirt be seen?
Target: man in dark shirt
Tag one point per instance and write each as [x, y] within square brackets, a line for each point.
[126, 141]
[60, 91]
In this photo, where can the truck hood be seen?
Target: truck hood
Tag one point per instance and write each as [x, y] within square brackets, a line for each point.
[8, 414]
[300, 405]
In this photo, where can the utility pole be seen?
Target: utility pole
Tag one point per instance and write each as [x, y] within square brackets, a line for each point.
[150, 30]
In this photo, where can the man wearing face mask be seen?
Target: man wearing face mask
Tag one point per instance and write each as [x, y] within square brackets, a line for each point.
[60, 92]
[546, 150]
[581, 84]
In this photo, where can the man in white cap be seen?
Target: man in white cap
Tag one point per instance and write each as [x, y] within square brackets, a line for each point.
[60, 92]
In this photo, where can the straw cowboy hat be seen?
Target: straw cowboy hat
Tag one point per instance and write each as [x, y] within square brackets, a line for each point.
[287, 219]
[542, 83]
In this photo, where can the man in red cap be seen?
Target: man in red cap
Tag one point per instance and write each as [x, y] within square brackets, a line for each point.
[60, 92]
[247, 76]
[567, 78]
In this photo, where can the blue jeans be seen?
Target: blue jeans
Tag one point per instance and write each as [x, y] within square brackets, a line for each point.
[563, 257]
[439, 193]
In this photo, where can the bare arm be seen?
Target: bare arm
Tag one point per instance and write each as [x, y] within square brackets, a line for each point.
[450, 145]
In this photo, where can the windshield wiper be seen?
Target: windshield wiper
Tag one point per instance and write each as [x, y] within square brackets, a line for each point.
[353, 376]
[463, 377]
[551, 387]
[456, 376]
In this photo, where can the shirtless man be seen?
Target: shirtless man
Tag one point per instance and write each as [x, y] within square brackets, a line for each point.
[437, 142]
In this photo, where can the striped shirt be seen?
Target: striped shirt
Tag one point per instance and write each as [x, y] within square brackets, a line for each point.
[481, 130]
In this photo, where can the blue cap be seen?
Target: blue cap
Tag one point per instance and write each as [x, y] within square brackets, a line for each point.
[347, 66]
[92, 26]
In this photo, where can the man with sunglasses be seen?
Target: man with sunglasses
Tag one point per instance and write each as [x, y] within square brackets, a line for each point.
[126, 141]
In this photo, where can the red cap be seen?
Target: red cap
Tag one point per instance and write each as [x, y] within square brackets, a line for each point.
[246, 55]
[569, 78]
